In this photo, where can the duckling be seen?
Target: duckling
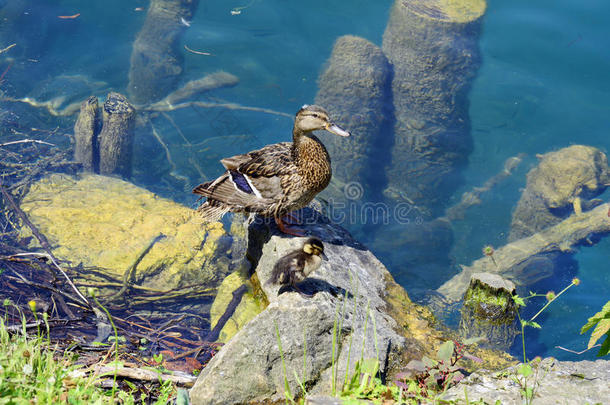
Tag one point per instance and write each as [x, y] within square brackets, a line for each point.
[297, 265]
[277, 179]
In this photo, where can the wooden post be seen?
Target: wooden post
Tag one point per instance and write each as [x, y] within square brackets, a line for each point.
[433, 47]
[116, 137]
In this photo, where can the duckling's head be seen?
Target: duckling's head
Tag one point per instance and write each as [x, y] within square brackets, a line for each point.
[314, 247]
[312, 118]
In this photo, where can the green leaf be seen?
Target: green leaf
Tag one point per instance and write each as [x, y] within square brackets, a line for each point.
[605, 349]
[473, 340]
[428, 362]
[445, 352]
[370, 366]
[604, 313]
[525, 370]
[602, 328]
[518, 300]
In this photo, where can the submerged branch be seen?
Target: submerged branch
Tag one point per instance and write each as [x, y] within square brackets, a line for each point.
[563, 237]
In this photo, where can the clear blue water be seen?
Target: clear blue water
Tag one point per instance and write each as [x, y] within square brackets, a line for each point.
[544, 84]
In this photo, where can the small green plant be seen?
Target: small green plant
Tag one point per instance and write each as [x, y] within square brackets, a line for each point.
[525, 370]
[601, 321]
[427, 378]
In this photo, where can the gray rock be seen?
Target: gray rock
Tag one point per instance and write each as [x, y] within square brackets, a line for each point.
[249, 367]
[557, 382]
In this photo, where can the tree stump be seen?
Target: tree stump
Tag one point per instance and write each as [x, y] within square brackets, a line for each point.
[156, 59]
[433, 47]
[86, 130]
[355, 89]
[489, 311]
[116, 136]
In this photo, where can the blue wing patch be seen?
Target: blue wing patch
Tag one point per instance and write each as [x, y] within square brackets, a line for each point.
[241, 182]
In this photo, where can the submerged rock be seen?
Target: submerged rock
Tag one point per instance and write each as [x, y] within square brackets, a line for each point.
[433, 48]
[107, 223]
[563, 183]
[355, 311]
[355, 89]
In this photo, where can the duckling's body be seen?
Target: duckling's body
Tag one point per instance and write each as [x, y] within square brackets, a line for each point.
[297, 265]
[276, 179]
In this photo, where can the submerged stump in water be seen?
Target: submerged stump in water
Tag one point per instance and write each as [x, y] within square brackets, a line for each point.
[156, 61]
[116, 136]
[489, 310]
[104, 140]
[355, 87]
[433, 47]
[86, 130]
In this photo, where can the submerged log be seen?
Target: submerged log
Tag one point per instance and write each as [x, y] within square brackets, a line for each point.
[156, 59]
[355, 88]
[433, 47]
[86, 130]
[509, 259]
[489, 311]
[116, 136]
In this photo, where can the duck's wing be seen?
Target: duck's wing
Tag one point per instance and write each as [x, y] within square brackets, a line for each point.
[272, 160]
[252, 181]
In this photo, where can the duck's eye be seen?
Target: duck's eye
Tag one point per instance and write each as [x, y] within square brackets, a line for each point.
[316, 116]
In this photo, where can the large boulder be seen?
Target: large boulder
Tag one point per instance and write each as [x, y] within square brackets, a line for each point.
[107, 223]
[355, 311]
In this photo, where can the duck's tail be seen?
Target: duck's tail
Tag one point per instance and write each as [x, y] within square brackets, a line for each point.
[212, 210]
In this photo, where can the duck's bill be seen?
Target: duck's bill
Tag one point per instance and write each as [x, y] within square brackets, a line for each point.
[336, 130]
[323, 256]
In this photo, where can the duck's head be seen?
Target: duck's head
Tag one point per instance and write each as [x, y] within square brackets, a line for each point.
[314, 247]
[313, 118]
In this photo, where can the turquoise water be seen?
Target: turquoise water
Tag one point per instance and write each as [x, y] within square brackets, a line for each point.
[543, 84]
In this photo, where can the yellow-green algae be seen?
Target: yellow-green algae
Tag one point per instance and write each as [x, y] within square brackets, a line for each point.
[106, 222]
[247, 309]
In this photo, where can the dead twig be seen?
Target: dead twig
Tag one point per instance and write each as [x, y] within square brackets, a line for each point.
[130, 273]
[26, 141]
[143, 374]
[7, 48]
[197, 52]
[43, 242]
[202, 104]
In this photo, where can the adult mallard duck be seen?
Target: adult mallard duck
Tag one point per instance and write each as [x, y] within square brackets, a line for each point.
[277, 179]
[297, 265]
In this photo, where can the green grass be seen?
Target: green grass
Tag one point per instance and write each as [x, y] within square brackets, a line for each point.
[34, 371]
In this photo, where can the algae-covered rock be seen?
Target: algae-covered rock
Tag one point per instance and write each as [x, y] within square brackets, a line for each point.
[433, 47]
[247, 309]
[355, 89]
[107, 223]
[563, 183]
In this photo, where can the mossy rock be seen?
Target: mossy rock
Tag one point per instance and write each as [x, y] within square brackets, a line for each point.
[107, 223]
[247, 309]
